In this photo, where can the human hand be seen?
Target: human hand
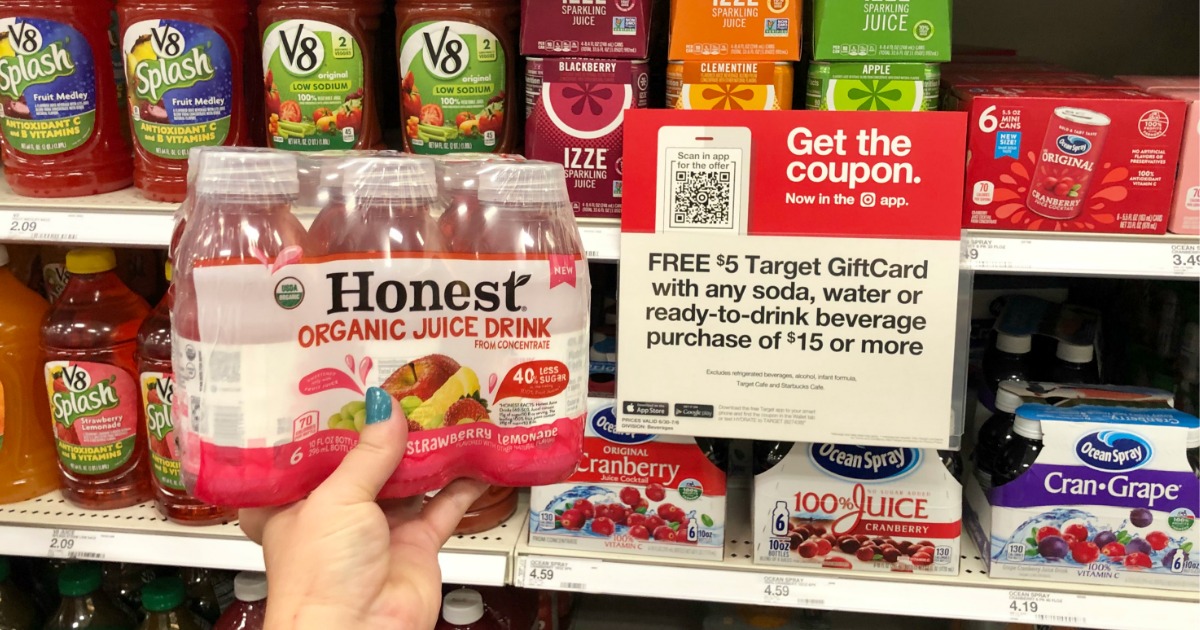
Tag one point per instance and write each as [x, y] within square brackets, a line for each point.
[340, 559]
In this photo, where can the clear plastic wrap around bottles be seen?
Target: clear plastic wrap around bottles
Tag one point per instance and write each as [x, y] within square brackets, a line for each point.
[460, 287]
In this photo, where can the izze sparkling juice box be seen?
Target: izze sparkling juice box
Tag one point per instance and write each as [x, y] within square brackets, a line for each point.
[613, 29]
[864, 508]
[1109, 498]
[575, 114]
[735, 30]
[633, 493]
[1066, 159]
[881, 30]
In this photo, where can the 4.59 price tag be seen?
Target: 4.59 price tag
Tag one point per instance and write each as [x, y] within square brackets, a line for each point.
[556, 574]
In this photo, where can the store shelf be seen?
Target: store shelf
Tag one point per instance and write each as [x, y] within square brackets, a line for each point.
[1165, 256]
[969, 595]
[50, 527]
[123, 217]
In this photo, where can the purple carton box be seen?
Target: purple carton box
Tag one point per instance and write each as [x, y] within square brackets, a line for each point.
[612, 29]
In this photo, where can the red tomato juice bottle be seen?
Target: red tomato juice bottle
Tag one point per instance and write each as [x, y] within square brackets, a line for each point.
[241, 220]
[158, 394]
[184, 61]
[61, 123]
[249, 612]
[331, 39]
[89, 347]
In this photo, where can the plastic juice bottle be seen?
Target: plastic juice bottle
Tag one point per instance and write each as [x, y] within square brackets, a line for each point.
[242, 214]
[27, 459]
[84, 605]
[17, 609]
[56, 56]
[183, 66]
[208, 591]
[158, 388]
[123, 582]
[465, 97]
[389, 201]
[165, 603]
[994, 436]
[306, 38]
[1007, 359]
[462, 219]
[462, 609]
[1075, 364]
[521, 202]
[249, 612]
[89, 345]
[1022, 451]
[54, 270]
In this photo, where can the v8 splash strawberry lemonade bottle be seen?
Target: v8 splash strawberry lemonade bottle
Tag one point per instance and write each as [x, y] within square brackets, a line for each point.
[61, 120]
[242, 221]
[157, 381]
[183, 67]
[89, 342]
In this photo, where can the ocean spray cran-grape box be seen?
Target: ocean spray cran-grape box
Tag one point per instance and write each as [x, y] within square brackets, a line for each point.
[633, 493]
[610, 29]
[864, 508]
[1071, 160]
[1111, 498]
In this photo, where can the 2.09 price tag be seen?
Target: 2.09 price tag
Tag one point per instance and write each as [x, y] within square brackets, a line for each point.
[74, 544]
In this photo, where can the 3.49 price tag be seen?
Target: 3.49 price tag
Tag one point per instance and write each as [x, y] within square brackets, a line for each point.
[1185, 259]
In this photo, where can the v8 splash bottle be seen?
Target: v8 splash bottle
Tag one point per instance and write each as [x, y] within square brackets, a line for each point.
[89, 342]
[157, 385]
[61, 119]
[183, 66]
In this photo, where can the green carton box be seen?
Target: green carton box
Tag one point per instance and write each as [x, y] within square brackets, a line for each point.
[884, 30]
[872, 86]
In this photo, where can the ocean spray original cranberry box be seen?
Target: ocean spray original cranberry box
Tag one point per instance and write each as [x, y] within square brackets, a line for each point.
[1073, 160]
[864, 508]
[633, 493]
[575, 115]
[1110, 499]
[613, 29]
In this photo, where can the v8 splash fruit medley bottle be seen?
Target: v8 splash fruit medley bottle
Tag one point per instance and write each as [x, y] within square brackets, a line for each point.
[318, 69]
[183, 68]
[157, 386]
[89, 342]
[27, 460]
[62, 123]
[458, 75]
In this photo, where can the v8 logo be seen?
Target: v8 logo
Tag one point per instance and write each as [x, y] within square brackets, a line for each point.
[445, 51]
[76, 378]
[25, 38]
[301, 51]
[167, 41]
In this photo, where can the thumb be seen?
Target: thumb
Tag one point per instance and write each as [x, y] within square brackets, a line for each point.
[367, 467]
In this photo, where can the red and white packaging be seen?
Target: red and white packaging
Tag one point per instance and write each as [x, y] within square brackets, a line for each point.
[863, 508]
[652, 495]
[279, 332]
[1072, 160]
[1185, 210]
[575, 115]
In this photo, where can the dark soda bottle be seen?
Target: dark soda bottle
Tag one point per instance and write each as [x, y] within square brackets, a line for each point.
[84, 605]
[1022, 451]
[1075, 363]
[994, 436]
[165, 603]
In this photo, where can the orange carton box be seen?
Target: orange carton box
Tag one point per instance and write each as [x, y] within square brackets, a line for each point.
[762, 30]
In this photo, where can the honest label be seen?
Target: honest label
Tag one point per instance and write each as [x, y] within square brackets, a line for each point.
[47, 86]
[788, 311]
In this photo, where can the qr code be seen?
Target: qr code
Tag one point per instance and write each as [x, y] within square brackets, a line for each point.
[702, 199]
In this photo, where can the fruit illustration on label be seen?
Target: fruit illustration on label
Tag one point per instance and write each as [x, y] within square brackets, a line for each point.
[158, 394]
[435, 391]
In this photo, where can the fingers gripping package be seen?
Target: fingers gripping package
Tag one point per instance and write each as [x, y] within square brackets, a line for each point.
[481, 338]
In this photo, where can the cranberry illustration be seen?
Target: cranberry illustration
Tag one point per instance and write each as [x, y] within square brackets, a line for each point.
[618, 513]
[904, 546]
[653, 522]
[1158, 540]
[635, 519]
[665, 534]
[1062, 189]
[600, 509]
[803, 531]
[848, 544]
[603, 526]
[922, 560]
[862, 538]
[1114, 550]
[1047, 531]
[630, 496]
[866, 554]
[1085, 552]
[1141, 517]
[817, 529]
[642, 506]
[807, 549]
[1138, 561]
[671, 513]
[1078, 531]
[823, 547]
[639, 532]
[585, 507]
[1070, 539]
[794, 540]
[572, 519]
[890, 554]
[1049, 183]
[926, 543]
[655, 492]
[879, 541]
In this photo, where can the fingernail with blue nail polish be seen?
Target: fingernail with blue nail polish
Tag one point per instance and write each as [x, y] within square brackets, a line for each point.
[379, 405]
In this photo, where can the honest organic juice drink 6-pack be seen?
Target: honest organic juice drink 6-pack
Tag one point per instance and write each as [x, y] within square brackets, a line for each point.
[1078, 160]
[759, 30]
[751, 85]
[484, 348]
[885, 30]
[611, 29]
[575, 113]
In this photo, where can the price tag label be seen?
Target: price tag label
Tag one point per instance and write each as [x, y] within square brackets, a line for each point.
[1185, 259]
[559, 575]
[22, 225]
[1039, 607]
[78, 545]
[994, 254]
[790, 590]
[601, 243]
